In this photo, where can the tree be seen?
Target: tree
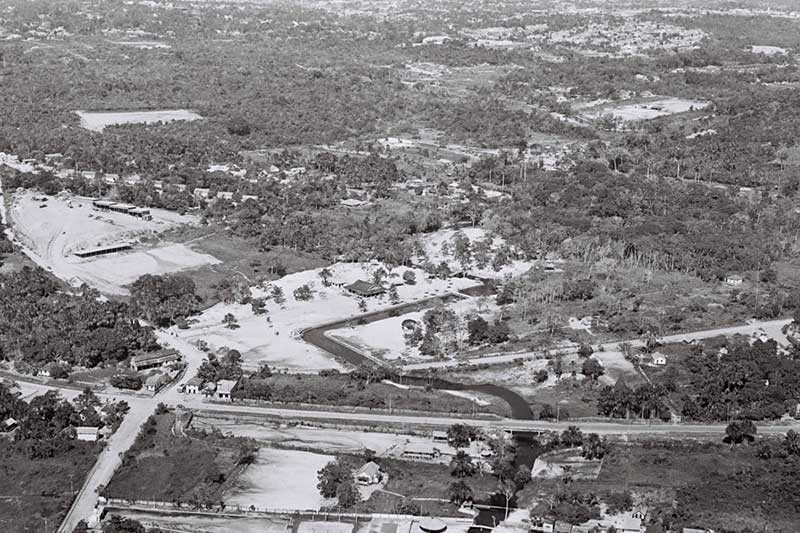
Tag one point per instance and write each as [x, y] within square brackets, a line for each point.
[303, 293]
[409, 277]
[394, 298]
[163, 299]
[478, 330]
[594, 447]
[499, 332]
[459, 492]
[277, 295]
[740, 431]
[330, 477]
[230, 321]
[541, 376]
[572, 437]
[791, 443]
[461, 465]
[547, 412]
[522, 476]
[362, 305]
[347, 494]
[258, 305]
[585, 350]
[460, 435]
[326, 276]
[592, 369]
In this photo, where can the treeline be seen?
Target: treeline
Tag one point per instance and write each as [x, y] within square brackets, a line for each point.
[45, 425]
[40, 323]
[750, 382]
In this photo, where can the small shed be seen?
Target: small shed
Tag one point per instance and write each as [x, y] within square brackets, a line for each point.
[734, 280]
[9, 424]
[659, 359]
[87, 433]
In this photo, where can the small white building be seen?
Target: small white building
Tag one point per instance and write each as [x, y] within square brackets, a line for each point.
[87, 433]
[734, 280]
[659, 359]
[194, 385]
[369, 474]
[225, 389]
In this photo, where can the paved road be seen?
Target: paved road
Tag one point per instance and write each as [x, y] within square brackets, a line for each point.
[124, 437]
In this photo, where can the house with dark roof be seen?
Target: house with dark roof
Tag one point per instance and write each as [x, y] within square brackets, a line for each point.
[365, 289]
[154, 359]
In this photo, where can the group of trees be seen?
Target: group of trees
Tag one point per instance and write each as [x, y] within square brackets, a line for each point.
[46, 423]
[229, 366]
[164, 299]
[336, 481]
[645, 401]
[751, 382]
[40, 324]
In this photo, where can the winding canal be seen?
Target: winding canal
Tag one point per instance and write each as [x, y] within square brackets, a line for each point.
[316, 336]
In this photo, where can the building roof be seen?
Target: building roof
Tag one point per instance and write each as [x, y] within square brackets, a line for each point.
[155, 380]
[431, 524]
[370, 469]
[226, 386]
[8, 422]
[195, 382]
[87, 430]
[364, 288]
[159, 355]
[102, 249]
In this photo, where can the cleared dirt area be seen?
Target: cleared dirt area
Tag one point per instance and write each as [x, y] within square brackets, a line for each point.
[274, 338]
[280, 479]
[53, 230]
[646, 110]
[98, 121]
[330, 440]
[208, 524]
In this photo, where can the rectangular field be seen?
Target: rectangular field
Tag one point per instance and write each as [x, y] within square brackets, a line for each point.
[98, 121]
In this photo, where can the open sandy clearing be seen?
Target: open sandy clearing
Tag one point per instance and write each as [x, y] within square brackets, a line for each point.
[51, 234]
[274, 338]
[329, 440]
[280, 479]
[386, 338]
[208, 524]
[97, 121]
[630, 112]
[439, 248]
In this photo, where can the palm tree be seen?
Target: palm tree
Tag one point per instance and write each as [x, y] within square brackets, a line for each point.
[572, 436]
[739, 431]
[792, 442]
[461, 465]
[459, 492]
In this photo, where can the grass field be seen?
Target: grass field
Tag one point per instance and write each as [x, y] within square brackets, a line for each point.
[35, 494]
[161, 466]
[98, 121]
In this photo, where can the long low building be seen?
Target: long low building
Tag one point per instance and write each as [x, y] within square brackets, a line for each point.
[128, 209]
[154, 359]
[103, 250]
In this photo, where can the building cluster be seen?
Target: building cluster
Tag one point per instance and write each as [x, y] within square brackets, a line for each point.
[220, 390]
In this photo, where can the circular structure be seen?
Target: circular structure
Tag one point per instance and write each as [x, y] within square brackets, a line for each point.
[432, 525]
[409, 323]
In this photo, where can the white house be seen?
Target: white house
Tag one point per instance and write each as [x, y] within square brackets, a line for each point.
[194, 385]
[369, 474]
[659, 359]
[225, 388]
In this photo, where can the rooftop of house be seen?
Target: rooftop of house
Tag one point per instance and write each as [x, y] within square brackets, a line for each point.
[226, 386]
[370, 469]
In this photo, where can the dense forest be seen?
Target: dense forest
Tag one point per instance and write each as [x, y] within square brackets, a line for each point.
[40, 324]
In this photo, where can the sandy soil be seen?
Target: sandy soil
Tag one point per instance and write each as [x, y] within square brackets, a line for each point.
[209, 524]
[280, 479]
[53, 233]
[433, 242]
[324, 527]
[97, 121]
[278, 341]
[328, 440]
[646, 110]
[385, 338]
